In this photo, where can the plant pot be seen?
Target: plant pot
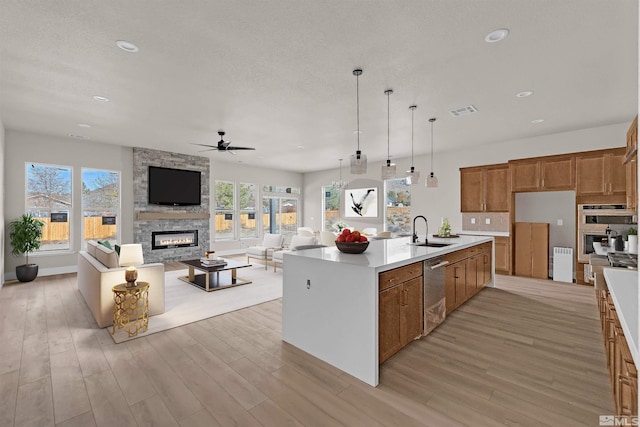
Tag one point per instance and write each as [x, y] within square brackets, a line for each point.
[26, 272]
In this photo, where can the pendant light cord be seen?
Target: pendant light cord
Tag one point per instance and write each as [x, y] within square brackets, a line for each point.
[412, 108]
[358, 108]
[432, 120]
[389, 92]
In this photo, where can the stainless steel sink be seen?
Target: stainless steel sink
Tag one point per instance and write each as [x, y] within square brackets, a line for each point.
[433, 245]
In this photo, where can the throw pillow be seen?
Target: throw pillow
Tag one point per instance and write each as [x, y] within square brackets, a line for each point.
[105, 243]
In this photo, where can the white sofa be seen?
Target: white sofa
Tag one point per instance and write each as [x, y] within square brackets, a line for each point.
[98, 272]
[297, 241]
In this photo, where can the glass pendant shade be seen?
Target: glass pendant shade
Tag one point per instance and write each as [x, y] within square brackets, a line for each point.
[340, 184]
[389, 170]
[413, 176]
[358, 163]
[432, 180]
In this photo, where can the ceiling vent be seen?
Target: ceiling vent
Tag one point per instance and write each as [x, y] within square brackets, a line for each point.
[463, 111]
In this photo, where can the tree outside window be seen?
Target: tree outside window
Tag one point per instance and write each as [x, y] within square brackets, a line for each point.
[49, 200]
[397, 206]
[100, 205]
[224, 202]
[331, 206]
[248, 212]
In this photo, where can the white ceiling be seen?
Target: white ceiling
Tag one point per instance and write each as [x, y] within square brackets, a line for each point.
[277, 74]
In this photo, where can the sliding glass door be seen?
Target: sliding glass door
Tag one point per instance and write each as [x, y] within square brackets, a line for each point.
[280, 215]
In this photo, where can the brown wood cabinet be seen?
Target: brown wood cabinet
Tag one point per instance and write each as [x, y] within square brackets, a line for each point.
[400, 309]
[631, 165]
[622, 369]
[551, 173]
[601, 174]
[468, 272]
[503, 255]
[532, 249]
[485, 189]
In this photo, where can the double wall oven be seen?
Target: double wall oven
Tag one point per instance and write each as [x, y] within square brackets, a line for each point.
[593, 220]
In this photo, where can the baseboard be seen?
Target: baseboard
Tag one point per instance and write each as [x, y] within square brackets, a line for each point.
[51, 271]
[238, 251]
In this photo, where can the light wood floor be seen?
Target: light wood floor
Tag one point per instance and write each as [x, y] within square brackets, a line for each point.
[527, 353]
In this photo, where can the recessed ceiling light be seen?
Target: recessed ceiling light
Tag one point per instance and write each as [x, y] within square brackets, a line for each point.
[536, 121]
[127, 46]
[524, 94]
[300, 147]
[100, 98]
[83, 125]
[497, 35]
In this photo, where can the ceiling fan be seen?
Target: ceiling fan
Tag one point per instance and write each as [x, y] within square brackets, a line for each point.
[224, 145]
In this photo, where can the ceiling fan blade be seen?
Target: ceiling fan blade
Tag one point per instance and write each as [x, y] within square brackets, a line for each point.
[213, 147]
[230, 152]
[240, 148]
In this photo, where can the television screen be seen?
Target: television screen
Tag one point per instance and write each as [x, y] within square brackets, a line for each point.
[174, 187]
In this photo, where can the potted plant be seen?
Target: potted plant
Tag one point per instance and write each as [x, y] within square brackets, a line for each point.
[25, 234]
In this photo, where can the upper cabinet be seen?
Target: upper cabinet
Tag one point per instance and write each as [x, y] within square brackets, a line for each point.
[631, 165]
[485, 188]
[601, 173]
[553, 173]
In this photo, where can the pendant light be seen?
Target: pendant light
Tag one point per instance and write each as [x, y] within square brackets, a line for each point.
[432, 180]
[358, 160]
[339, 185]
[388, 170]
[413, 176]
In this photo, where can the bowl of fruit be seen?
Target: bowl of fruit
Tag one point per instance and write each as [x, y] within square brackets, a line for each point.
[352, 242]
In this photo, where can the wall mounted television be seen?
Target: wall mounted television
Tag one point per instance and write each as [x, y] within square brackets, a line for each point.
[174, 187]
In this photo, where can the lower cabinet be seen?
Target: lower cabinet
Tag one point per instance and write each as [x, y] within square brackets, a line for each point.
[400, 309]
[503, 255]
[622, 369]
[468, 272]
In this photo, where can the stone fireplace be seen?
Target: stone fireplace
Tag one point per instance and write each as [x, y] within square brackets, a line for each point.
[174, 239]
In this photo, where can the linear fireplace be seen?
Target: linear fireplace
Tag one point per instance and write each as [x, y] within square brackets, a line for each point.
[174, 239]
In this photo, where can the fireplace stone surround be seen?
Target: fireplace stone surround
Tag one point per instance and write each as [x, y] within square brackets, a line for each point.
[171, 219]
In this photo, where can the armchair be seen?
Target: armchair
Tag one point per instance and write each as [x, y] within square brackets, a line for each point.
[296, 242]
[264, 251]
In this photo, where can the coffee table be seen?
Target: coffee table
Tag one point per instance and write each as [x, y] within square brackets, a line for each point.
[213, 282]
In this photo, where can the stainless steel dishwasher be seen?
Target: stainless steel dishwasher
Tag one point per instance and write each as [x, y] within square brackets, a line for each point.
[435, 308]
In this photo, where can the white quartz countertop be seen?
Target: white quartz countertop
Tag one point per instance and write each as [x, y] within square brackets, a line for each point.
[391, 253]
[623, 286]
[486, 233]
[604, 250]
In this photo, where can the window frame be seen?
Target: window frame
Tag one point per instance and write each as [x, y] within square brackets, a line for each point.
[118, 237]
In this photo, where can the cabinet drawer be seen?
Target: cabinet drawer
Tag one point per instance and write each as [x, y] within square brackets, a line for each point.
[396, 276]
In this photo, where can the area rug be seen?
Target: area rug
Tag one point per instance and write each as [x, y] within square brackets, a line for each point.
[185, 303]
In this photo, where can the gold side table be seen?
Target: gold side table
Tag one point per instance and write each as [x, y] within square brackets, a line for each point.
[131, 308]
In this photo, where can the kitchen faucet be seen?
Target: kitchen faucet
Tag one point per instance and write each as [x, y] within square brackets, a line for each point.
[414, 237]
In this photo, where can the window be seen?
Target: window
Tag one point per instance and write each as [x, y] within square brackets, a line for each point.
[49, 199]
[330, 206]
[224, 193]
[100, 205]
[280, 215]
[397, 205]
[248, 212]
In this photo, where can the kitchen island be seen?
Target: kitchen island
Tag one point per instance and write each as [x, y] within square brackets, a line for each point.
[331, 299]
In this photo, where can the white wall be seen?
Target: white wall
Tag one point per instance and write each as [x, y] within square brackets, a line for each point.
[233, 171]
[23, 147]
[2, 199]
[444, 201]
